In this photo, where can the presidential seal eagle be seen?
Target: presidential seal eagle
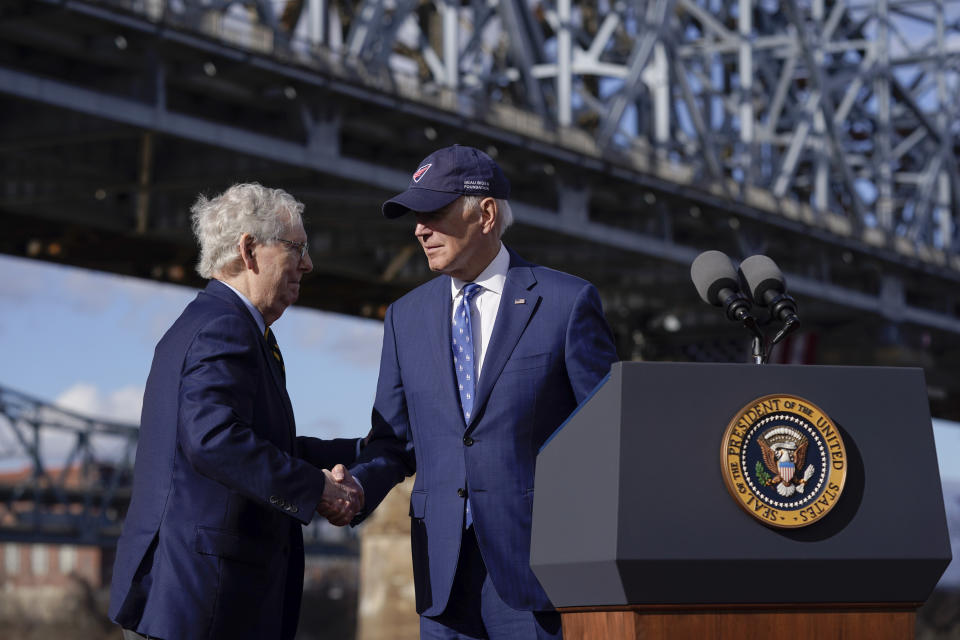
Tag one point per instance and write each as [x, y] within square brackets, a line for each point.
[784, 452]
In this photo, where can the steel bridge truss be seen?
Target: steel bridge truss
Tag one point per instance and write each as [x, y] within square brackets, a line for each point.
[842, 115]
[64, 477]
[635, 134]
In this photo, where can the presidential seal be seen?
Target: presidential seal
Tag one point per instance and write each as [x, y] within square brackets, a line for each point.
[784, 461]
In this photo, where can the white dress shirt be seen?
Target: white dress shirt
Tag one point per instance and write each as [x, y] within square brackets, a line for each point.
[483, 315]
[484, 305]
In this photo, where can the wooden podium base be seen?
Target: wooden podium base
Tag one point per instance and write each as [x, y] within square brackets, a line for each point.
[772, 622]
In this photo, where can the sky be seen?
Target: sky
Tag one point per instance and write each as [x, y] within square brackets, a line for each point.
[84, 340]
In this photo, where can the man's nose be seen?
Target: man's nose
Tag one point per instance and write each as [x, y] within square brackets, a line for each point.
[306, 264]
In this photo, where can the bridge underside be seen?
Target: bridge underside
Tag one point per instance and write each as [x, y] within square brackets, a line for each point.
[112, 125]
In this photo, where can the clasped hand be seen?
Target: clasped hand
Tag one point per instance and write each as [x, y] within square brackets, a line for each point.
[342, 496]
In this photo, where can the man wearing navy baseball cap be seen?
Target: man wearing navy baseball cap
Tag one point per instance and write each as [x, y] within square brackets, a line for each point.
[479, 367]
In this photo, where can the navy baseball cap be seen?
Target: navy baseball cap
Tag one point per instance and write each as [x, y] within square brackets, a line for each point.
[444, 176]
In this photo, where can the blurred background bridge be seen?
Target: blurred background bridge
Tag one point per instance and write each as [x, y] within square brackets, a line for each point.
[82, 498]
[66, 479]
[635, 134]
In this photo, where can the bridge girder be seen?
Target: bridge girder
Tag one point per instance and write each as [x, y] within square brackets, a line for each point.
[635, 136]
[65, 477]
[846, 109]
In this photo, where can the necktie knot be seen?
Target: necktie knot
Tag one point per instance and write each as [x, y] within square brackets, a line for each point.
[470, 291]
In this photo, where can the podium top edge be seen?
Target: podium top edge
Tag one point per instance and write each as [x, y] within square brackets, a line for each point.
[662, 363]
[747, 607]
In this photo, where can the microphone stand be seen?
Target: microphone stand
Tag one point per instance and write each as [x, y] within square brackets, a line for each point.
[758, 352]
[737, 308]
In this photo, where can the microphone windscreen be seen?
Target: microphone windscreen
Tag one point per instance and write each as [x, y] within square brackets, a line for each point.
[761, 274]
[712, 272]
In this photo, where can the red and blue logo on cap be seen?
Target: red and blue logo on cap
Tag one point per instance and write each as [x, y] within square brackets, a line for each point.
[422, 170]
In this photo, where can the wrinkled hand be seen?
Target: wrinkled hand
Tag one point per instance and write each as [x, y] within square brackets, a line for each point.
[342, 496]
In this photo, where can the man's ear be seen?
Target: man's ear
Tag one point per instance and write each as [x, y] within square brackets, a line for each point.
[246, 249]
[489, 215]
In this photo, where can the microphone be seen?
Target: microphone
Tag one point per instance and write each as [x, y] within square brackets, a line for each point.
[716, 282]
[766, 286]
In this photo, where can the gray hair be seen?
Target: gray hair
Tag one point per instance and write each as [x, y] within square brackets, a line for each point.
[503, 207]
[220, 222]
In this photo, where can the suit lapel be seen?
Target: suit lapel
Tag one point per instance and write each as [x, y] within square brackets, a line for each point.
[221, 291]
[438, 315]
[512, 319]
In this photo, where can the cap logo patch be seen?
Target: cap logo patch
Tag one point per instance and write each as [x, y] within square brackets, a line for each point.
[422, 170]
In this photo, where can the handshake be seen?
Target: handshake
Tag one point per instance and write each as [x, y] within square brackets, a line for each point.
[342, 496]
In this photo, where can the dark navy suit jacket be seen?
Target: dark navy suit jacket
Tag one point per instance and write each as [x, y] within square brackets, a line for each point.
[212, 544]
[550, 347]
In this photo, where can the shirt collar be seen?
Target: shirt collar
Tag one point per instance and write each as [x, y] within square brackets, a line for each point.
[492, 278]
[257, 316]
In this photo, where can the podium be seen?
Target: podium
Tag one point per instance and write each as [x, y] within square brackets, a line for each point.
[635, 534]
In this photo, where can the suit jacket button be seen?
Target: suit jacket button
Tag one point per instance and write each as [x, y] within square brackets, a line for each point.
[274, 500]
[467, 440]
[294, 508]
[462, 492]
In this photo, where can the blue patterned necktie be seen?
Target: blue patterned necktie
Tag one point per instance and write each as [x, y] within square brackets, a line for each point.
[463, 359]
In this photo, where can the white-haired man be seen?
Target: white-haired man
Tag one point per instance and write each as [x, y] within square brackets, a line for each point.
[212, 544]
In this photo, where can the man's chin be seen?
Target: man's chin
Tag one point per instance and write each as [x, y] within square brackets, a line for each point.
[439, 266]
[285, 304]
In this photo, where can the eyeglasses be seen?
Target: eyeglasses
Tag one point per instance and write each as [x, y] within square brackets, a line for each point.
[299, 247]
